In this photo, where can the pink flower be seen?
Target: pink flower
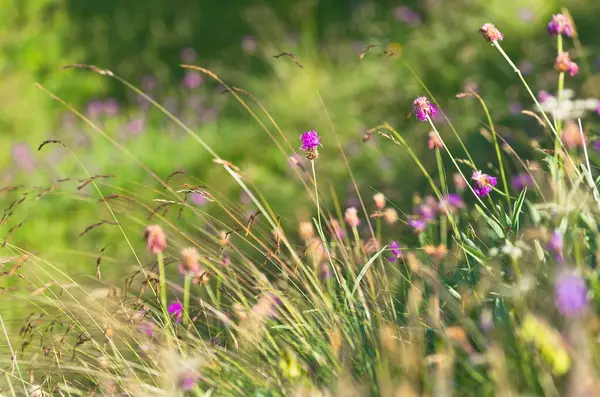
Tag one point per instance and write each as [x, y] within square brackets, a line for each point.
[491, 33]
[564, 63]
[560, 25]
[175, 309]
[156, 241]
[483, 183]
[424, 109]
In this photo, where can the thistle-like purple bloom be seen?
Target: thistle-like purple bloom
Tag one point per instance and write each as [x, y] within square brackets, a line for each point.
[570, 294]
[417, 224]
[424, 109]
[451, 202]
[175, 309]
[483, 183]
[310, 140]
[491, 33]
[428, 210]
[192, 79]
[521, 181]
[395, 250]
[555, 245]
[560, 25]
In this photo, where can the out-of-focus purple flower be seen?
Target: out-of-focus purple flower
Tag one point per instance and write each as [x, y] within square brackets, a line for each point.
[423, 108]
[521, 181]
[146, 327]
[565, 64]
[555, 245]
[310, 142]
[597, 143]
[136, 126]
[95, 108]
[559, 25]
[198, 199]
[326, 272]
[570, 294]
[491, 33]
[483, 183]
[351, 217]
[187, 380]
[148, 83]
[515, 107]
[395, 250]
[111, 107]
[192, 79]
[156, 240]
[525, 67]
[543, 96]
[249, 44]
[526, 14]
[451, 202]
[598, 109]
[337, 229]
[175, 309]
[418, 225]
[188, 55]
[428, 209]
[23, 157]
[406, 15]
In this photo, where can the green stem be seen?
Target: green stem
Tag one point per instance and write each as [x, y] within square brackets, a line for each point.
[186, 299]
[163, 285]
[444, 187]
[559, 95]
[312, 163]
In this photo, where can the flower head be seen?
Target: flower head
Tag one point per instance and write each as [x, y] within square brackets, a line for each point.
[175, 309]
[555, 244]
[351, 217]
[310, 142]
[491, 33]
[427, 210]
[559, 25]
[564, 64]
[435, 141]
[146, 327]
[390, 216]
[521, 181]
[570, 294]
[156, 241]
[187, 380]
[451, 202]
[379, 199]
[543, 96]
[395, 250]
[192, 79]
[424, 109]
[483, 183]
[417, 224]
[190, 264]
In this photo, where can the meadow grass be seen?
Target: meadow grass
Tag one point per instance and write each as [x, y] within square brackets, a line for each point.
[483, 288]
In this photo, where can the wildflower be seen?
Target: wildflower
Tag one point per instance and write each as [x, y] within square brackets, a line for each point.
[326, 272]
[187, 379]
[564, 63]
[555, 244]
[406, 15]
[307, 231]
[483, 183]
[188, 55]
[190, 265]
[146, 327]
[379, 199]
[451, 202]
[424, 109]
[597, 144]
[436, 253]
[111, 107]
[175, 309]
[337, 230]
[351, 217]
[459, 182]
[435, 141]
[559, 25]
[570, 294]
[23, 157]
[571, 136]
[310, 142]
[491, 33]
[192, 79]
[543, 96]
[521, 181]
[428, 209]
[390, 216]
[156, 241]
[417, 224]
[395, 250]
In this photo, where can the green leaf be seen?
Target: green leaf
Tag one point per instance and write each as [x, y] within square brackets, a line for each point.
[517, 210]
[365, 268]
[494, 223]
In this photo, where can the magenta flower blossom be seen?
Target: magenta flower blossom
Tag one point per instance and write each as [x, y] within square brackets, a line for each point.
[310, 142]
[596, 144]
[521, 181]
[175, 309]
[543, 96]
[555, 245]
[560, 25]
[192, 79]
[570, 294]
[564, 64]
[187, 380]
[417, 224]
[428, 210]
[491, 33]
[483, 183]
[424, 109]
[146, 327]
[451, 202]
[395, 250]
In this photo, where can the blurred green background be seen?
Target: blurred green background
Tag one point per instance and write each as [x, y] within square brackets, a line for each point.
[145, 42]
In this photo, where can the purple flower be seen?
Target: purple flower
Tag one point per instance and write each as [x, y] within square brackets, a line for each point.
[149, 82]
[198, 199]
[175, 309]
[559, 25]
[95, 108]
[424, 109]
[515, 107]
[417, 224]
[23, 158]
[310, 142]
[555, 244]
[521, 181]
[428, 210]
[111, 107]
[597, 141]
[188, 55]
[483, 183]
[395, 250]
[192, 79]
[406, 15]
[543, 96]
[451, 202]
[146, 327]
[136, 126]
[570, 294]
[187, 380]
